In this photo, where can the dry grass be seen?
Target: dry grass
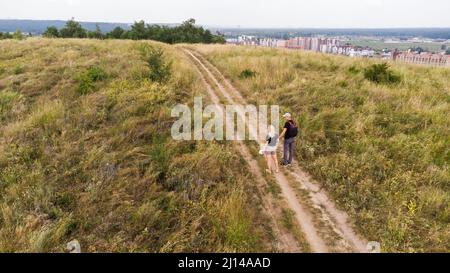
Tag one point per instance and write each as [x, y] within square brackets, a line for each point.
[100, 166]
[382, 150]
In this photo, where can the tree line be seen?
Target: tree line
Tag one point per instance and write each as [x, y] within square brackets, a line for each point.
[187, 32]
[16, 35]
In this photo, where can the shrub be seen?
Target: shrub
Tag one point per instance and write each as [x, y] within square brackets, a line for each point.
[116, 33]
[160, 68]
[96, 73]
[85, 84]
[86, 80]
[247, 73]
[73, 29]
[353, 69]
[51, 32]
[18, 35]
[380, 73]
[5, 35]
[18, 69]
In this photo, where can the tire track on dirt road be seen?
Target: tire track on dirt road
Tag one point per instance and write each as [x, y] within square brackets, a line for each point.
[303, 218]
[337, 220]
[286, 242]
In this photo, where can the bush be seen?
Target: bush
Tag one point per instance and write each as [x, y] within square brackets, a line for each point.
[160, 68]
[380, 73]
[353, 70]
[247, 73]
[187, 32]
[51, 32]
[18, 69]
[86, 80]
[18, 35]
[116, 33]
[5, 35]
[73, 29]
[96, 73]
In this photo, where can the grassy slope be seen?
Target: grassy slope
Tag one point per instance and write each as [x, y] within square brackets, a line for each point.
[100, 166]
[382, 151]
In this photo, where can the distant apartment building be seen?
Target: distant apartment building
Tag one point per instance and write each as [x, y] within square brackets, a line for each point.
[281, 43]
[268, 42]
[312, 43]
[327, 45]
[244, 40]
[423, 58]
[233, 41]
[335, 46]
[254, 41]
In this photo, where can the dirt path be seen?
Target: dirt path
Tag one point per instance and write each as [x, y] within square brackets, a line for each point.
[336, 219]
[344, 237]
[286, 242]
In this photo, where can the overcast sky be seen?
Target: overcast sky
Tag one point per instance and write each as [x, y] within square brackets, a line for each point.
[244, 13]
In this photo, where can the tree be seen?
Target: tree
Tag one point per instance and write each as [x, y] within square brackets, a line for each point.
[5, 35]
[160, 67]
[18, 35]
[138, 31]
[51, 32]
[219, 38]
[73, 29]
[97, 34]
[418, 49]
[381, 73]
[187, 32]
[444, 47]
[207, 37]
[448, 51]
[116, 33]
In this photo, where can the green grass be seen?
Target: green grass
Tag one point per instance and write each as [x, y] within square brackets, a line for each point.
[86, 154]
[380, 149]
[87, 79]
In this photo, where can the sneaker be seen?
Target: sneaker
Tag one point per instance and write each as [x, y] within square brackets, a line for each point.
[286, 164]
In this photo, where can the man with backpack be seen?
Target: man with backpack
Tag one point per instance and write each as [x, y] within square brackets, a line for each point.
[290, 131]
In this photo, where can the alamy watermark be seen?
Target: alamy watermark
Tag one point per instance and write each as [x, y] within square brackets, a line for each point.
[223, 122]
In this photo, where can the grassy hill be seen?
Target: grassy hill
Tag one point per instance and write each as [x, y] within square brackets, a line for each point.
[86, 151]
[86, 154]
[381, 149]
